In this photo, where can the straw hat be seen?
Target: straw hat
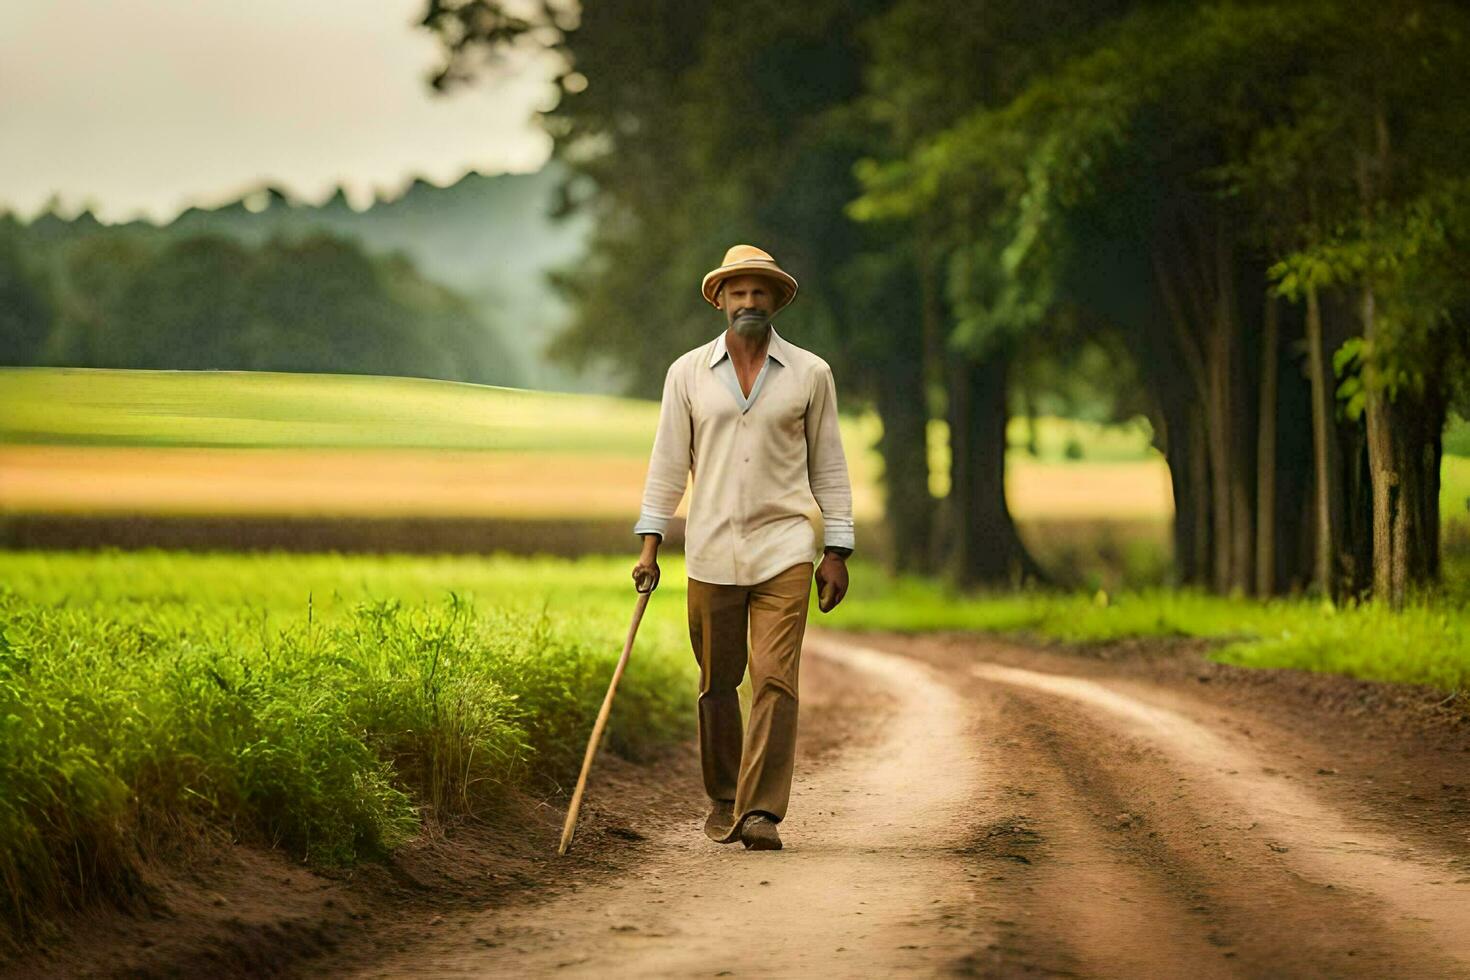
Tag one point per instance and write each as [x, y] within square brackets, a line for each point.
[743, 260]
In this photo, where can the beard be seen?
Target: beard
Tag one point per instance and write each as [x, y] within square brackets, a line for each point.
[751, 323]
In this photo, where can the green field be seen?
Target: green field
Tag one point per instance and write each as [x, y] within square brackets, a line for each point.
[260, 409]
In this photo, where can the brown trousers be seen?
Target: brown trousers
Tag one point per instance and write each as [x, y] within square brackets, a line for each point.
[774, 613]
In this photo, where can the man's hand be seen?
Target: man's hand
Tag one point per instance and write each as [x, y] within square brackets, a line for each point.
[646, 571]
[832, 571]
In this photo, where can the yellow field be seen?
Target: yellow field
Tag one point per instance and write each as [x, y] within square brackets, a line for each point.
[397, 482]
[431, 482]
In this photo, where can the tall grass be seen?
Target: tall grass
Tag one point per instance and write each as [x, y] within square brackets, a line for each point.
[143, 696]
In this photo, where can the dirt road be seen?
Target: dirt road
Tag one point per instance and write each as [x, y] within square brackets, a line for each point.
[993, 810]
[963, 806]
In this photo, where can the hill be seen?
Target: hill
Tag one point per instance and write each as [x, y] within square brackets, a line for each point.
[488, 237]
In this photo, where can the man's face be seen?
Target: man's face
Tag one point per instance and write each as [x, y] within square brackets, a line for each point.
[748, 302]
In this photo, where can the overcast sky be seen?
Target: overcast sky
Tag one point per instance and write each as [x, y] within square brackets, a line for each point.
[148, 106]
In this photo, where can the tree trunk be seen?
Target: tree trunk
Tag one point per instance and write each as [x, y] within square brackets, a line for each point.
[908, 503]
[985, 546]
[1324, 445]
[1404, 448]
[1266, 455]
[1217, 414]
[1199, 482]
[1355, 548]
[1429, 459]
[1243, 418]
[1291, 473]
[933, 316]
[1404, 428]
[1199, 282]
[1184, 450]
[1229, 372]
[1181, 377]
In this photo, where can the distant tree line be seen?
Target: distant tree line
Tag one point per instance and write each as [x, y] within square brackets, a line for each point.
[312, 303]
[1259, 209]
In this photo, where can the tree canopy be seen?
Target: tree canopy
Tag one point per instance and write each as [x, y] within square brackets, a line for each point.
[318, 302]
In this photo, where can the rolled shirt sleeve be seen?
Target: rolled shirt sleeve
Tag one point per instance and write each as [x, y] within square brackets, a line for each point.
[827, 464]
[669, 463]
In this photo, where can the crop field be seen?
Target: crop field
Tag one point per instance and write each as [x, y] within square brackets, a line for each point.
[97, 441]
[159, 448]
[223, 442]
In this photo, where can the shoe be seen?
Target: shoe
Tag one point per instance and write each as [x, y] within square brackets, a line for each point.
[758, 833]
[719, 824]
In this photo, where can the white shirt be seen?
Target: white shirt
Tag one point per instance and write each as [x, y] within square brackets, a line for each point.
[764, 466]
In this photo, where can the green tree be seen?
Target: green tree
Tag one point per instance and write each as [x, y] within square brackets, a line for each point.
[694, 126]
[1143, 136]
[295, 302]
[1046, 174]
[26, 308]
[186, 308]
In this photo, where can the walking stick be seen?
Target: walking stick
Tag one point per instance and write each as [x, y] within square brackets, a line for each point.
[571, 825]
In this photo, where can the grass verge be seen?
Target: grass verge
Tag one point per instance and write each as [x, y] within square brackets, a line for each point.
[1426, 643]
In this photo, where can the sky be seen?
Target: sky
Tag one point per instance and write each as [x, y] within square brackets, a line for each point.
[145, 107]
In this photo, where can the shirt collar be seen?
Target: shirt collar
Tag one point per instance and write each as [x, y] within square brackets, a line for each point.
[776, 349]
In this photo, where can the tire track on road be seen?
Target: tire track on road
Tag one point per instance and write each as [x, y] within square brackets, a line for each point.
[868, 882]
[1294, 874]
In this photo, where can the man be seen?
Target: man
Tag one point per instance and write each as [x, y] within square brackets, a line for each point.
[754, 418]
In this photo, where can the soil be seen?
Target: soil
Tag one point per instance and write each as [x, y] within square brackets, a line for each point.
[963, 806]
